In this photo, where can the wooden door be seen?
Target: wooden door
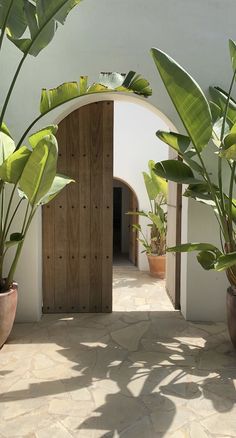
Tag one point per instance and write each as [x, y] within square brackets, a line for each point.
[133, 244]
[77, 225]
[174, 205]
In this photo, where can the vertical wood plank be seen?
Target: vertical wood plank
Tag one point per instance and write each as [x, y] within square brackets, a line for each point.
[107, 205]
[48, 253]
[60, 205]
[84, 208]
[72, 218]
[96, 196]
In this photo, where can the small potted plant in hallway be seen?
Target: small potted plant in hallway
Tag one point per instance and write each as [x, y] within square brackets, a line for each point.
[210, 140]
[155, 244]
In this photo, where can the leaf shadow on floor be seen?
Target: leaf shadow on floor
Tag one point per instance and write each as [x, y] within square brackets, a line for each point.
[147, 372]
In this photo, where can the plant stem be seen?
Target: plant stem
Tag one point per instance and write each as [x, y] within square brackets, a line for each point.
[11, 273]
[7, 215]
[221, 141]
[12, 218]
[230, 214]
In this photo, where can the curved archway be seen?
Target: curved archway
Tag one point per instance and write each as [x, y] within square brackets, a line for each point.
[129, 162]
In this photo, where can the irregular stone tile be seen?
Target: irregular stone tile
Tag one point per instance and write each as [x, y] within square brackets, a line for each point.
[117, 413]
[129, 337]
[196, 430]
[210, 327]
[14, 408]
[73, 408]
[140, 429]
[133, 317]
[212, 360]
[56, 430]
[171, 420]
[221, 423]
[154, 359]
[25, 424]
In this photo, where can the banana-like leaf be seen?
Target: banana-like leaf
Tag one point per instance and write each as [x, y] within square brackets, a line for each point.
[216, 111]
[157, 221]
[216, 132]
[40, 170]
[232, 50]
[178, 142]
[59, 183]
[225, 261]
[207, 259]
[176, 171]
[68, 91]
[12, 17]
[187, 97]
[200, 193]
[42, 19]
[5, 129]
[220, 97]
[192, 163]
[12, 168]
[39, 135]
[189, 247]
[229, 148]
[160, 183]
[7, 146]
[152, 189]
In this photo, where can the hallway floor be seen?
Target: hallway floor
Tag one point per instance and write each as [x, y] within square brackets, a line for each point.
[140, 372]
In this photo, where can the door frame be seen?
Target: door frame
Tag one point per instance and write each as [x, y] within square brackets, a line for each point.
[181, 265]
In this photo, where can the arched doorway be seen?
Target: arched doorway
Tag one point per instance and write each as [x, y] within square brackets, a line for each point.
[77, 260]
[125, 245]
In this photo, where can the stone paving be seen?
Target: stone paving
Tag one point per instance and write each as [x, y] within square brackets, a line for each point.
[140, 372]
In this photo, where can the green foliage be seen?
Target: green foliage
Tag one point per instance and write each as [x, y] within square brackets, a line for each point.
[206, 123]
[156, 188]
[31, 170]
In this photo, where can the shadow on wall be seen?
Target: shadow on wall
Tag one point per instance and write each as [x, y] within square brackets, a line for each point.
[122, 373]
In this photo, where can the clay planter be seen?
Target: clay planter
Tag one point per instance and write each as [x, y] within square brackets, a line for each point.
[8, 303]
[157, 265]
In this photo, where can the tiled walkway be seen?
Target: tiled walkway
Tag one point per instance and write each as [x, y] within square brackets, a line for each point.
[140, 372]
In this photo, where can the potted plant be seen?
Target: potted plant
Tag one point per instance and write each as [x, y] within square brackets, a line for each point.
[155, 244]
[210, 125]
[28, 177]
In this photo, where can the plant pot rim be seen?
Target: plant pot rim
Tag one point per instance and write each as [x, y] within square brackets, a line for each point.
[10, 291]
[155, 255]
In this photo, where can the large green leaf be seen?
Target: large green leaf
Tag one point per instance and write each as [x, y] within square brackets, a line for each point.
[12, 168]
[59, 183]
[7, 146]
[12, 17]
[37, 136]
[220, 98]
[187, 97]
[42, 17]
[229, 148]
[176, 171]
[207, 259]
[189, 247]
[108, 82]
[160, 183]
[151, 187]
[226, 261]
[178, 142]
[232, 50]
[40, 170]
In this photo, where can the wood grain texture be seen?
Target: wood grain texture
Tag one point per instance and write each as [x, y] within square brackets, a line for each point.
[77, 226]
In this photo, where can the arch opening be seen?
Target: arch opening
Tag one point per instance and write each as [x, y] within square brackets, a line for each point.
[121, 187]
[125, 244]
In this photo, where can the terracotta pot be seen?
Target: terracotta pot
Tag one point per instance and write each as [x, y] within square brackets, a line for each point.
[231, 313]
[157, 265]
[8, 303]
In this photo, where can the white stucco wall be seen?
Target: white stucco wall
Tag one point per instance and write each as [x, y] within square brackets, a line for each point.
[135, 144]
[108, 35]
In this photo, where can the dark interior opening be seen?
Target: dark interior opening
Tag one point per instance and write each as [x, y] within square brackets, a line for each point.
[117, 221]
